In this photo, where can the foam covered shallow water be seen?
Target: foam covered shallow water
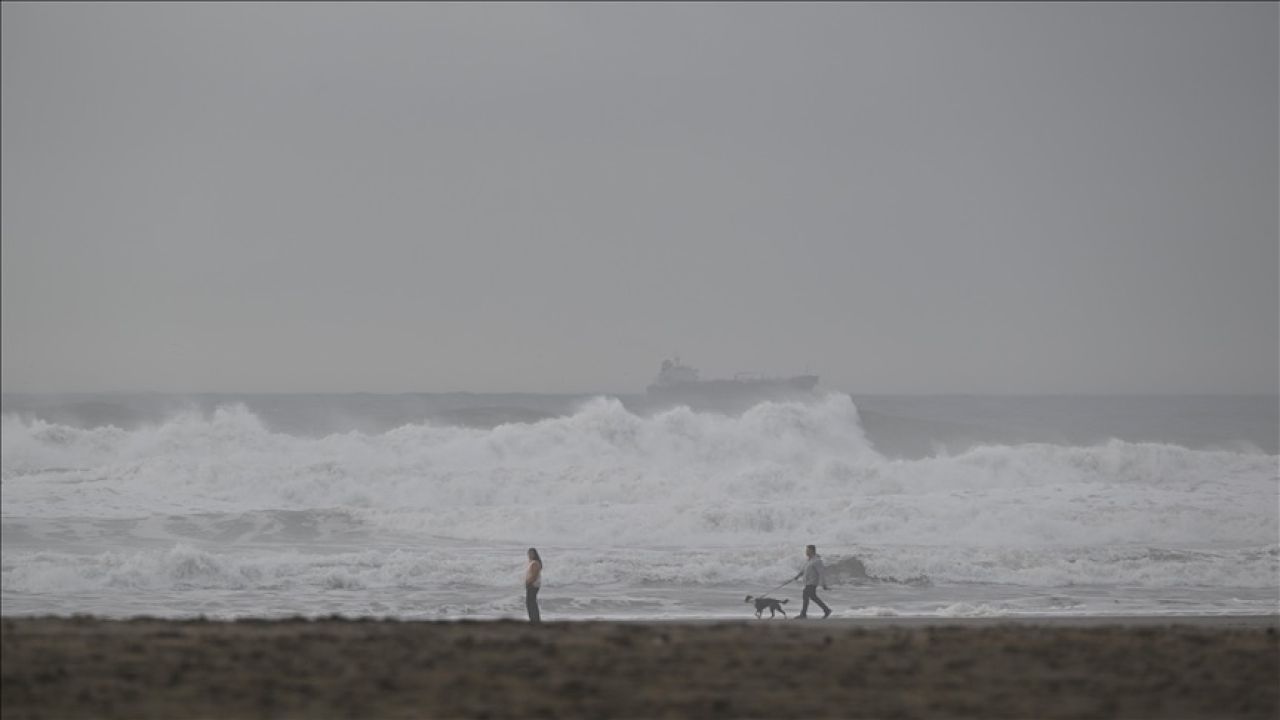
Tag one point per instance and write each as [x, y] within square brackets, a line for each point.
[666, 515]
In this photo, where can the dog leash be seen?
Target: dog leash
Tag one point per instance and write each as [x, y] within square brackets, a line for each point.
[777, 588]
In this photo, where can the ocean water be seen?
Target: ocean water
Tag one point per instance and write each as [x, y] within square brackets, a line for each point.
[422, 506]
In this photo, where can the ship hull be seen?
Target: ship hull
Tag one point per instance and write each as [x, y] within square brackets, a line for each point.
[800, 383]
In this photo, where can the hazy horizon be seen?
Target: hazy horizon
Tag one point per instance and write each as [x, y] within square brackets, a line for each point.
[971, 199]
[609, 392]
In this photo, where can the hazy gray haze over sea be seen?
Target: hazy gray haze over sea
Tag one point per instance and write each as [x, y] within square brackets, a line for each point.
[900, 198]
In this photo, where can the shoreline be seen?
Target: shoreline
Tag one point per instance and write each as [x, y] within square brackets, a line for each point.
[1212, 620]
[1079, 667]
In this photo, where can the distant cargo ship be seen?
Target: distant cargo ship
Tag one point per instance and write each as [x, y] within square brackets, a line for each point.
[681, 383]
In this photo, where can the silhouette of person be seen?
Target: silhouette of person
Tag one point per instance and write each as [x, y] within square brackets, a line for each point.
[813, 574]
[533, 583]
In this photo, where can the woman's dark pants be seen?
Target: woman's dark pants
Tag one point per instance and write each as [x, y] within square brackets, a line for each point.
[531, 603]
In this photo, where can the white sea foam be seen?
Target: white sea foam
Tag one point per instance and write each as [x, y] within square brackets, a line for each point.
[186, 567]
[220, 501]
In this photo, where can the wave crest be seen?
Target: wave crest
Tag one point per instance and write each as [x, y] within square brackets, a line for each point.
[605, 476]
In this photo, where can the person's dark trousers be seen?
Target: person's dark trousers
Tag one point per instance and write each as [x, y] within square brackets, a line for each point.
[531, 603]
[811, 593]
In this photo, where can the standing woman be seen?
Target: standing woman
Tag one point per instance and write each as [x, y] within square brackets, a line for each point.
[532, 582]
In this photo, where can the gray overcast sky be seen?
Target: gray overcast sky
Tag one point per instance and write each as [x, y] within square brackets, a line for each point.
[901, 198]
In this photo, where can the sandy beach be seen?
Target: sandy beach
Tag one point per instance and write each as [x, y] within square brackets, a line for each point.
[1114, 667]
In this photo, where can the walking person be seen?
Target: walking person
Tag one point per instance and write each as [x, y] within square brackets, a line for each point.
[814, 575]
[532, 583]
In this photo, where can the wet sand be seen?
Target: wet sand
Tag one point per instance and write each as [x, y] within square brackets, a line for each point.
[991, 668]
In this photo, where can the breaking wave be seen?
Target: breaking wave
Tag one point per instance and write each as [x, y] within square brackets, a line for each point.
[219, 500]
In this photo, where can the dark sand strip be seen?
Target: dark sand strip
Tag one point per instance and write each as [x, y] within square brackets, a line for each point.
[1143, 668]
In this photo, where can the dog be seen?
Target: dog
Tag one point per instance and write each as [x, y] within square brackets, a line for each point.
[770, 603]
